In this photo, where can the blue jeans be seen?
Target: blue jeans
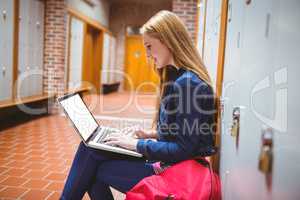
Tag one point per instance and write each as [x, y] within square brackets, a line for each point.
[93, 171]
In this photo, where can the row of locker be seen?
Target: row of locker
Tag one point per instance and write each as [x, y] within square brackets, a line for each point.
[76, 55]
[30, 48]
[259, 96]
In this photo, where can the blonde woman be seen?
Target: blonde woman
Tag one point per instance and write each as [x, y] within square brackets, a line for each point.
[184, 121]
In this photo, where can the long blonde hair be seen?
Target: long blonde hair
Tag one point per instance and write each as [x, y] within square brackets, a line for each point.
[171, 31]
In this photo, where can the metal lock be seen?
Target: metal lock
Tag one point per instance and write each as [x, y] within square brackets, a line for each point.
[38, 24]
[266, 154]
[235, 127]
[4, 14]
[3, 71]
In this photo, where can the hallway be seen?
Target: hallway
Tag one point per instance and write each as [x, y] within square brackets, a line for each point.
[35, 156]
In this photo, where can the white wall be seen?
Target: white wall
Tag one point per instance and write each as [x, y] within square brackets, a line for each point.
[212, 35]
[76, 53]
[100, 12]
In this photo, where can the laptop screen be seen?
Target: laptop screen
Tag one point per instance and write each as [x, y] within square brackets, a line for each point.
[80, 115]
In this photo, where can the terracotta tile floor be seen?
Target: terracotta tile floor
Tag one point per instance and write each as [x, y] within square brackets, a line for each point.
[35, 156]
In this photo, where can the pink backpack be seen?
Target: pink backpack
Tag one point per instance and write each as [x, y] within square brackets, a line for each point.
[186, 180]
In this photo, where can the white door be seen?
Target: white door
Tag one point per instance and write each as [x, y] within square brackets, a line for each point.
[105, 59]
[24, 49]
[76, 53]
[231, 91]
[212, 33]
[201, 24]
[6, 48]
[263, 84]
[36, 77]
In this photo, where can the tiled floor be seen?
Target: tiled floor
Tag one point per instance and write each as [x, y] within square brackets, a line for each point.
[35, 156]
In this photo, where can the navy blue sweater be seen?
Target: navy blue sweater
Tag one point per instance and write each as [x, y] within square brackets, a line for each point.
[186, 121]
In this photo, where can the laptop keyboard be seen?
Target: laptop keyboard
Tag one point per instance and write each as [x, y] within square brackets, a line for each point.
[105, 133]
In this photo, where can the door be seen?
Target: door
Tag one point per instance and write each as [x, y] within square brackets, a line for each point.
[76, 53]
[201, 25]
[140, 72]
[25, 43]
[6, 48]
[260, 79]
[92, 57]
[231, 92]
[212, 34]
[37, 47]
[105, 61]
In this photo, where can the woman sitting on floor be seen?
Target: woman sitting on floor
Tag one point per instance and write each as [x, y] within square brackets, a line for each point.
[184, 121]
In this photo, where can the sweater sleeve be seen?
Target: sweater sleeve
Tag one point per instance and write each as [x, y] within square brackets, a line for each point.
[191, 126]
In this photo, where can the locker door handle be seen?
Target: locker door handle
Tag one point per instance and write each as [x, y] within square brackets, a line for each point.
[3, 71]
[28, 68]
[268, 19]
[230, 12]
[238, 39]
[38, 24]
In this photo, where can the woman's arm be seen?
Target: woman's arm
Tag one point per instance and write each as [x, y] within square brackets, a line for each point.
[193, 119]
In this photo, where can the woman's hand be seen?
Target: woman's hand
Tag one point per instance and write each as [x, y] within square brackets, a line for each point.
[141, 134]
[122, 140]
[138, 132]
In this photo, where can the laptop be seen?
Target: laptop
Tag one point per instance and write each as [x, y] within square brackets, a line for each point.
[91, 133]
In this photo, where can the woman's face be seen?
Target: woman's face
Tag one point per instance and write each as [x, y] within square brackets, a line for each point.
[158, 51]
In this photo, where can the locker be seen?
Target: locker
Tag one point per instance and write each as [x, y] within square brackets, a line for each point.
[261, 78]
[76, 52]
[30, 48]
[231, 92]
[37, 48]
[112, 58]
[6, 45]
[24, 49]
[211, 43]
[105, 59]
[201, 22]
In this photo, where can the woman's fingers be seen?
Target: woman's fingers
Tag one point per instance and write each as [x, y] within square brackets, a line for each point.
[110, 138]
[112, 143]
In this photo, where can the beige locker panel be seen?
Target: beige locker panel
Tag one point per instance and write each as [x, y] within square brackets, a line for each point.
[24, 49]
[211, 44]
[76, 53]
[105, 59]
[201, 23]
[31, 32]
[6, 48]
[37, 48]
[112, 60]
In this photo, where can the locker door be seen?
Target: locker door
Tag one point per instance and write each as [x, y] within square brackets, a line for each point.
[76, 53]
[267, 69]
[32, 40]
[212, 38]
[112, 59]
[284, 79]
[105, 58]
[231, 92]
[40, 53]
[24, 49]
[201, 22]
[6, 44]
[37, 47]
